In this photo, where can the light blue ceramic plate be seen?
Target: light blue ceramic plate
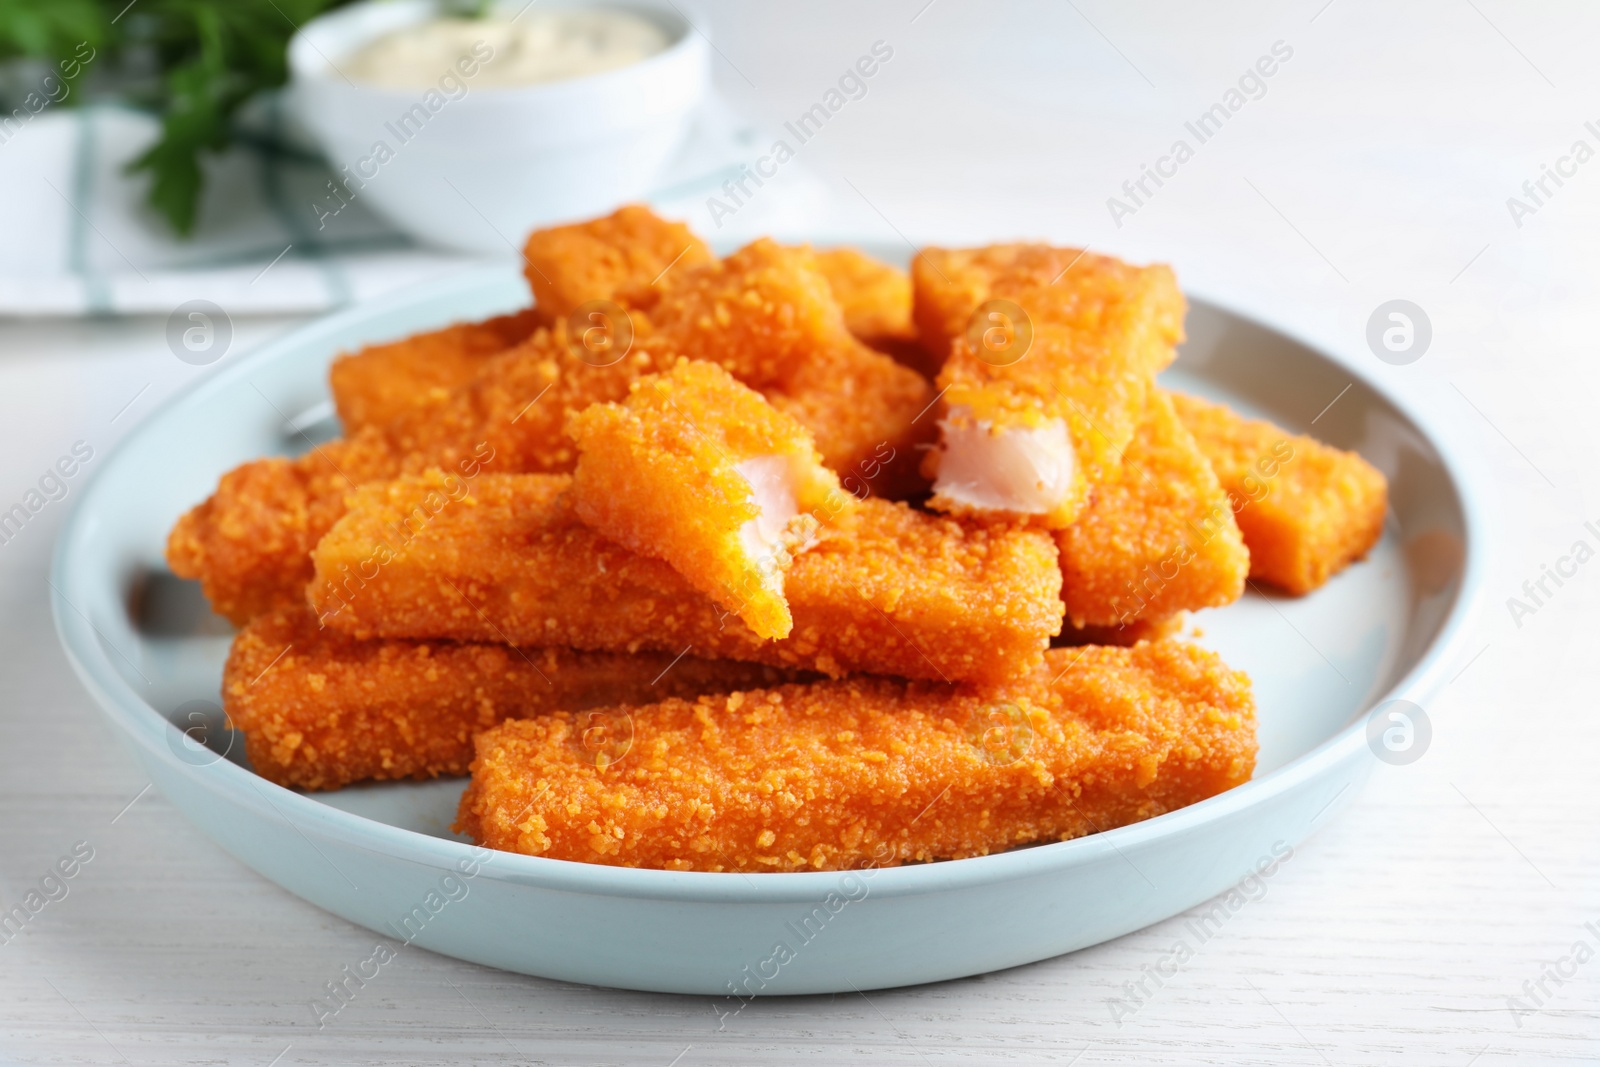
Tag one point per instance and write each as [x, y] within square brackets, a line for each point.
[382, 856]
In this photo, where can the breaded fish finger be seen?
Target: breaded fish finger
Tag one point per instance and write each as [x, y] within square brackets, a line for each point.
[374, 386]
[320, 710]
[768, 316]
[948, 284]
[1044, 393]
[866, 412]
[884, 589]
[569, 266]
[860, 404]
[1306, 509]
[765, 314]
[835, 775]
[249, 544]
[876, 300]
[1158, 538]
[700, 471]
[518, 405]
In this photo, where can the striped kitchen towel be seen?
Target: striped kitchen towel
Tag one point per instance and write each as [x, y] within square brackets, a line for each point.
[79, 240]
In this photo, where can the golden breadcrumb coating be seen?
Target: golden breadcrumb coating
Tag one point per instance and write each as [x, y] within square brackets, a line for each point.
[872, 771]
[949, 283]
[320, 710]
[943, 599]
[518, 405]
[1089, 334]
[768, 316]
[1156, 539]
[376, 385]
[761, 313]
[1307, 510]
[698, 470]
[569, 266]
[884, 589]
[861, 407]
[876, 300]
[870, 417]
[249, 544]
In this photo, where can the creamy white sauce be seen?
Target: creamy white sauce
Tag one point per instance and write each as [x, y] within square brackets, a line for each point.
[772, 488]
[1025, 470]
[509, 49]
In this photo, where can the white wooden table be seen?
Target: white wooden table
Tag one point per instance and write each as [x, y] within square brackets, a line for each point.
[1376, 165]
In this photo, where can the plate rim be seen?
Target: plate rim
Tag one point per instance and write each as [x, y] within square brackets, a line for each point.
[139, 722]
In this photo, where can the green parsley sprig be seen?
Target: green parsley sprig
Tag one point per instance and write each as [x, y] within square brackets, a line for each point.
[194, 63]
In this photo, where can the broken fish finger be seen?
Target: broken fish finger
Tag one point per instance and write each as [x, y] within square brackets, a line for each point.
[700, 471]
[884, 589]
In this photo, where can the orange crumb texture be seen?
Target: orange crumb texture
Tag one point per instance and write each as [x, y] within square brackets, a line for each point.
[320, 710]
[519, 402]
[874, 296]
[767, 315]
[1099, 333]
[569, 266]
[1156, 539]
[761, 313]
[885, 589]
[840, 774]
[379, 383]
[679, 470]
[249, 544]
[870, 417]
[1054, 284]
[1307, 510]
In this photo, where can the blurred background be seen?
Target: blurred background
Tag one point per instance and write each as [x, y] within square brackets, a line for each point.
[1394, 153]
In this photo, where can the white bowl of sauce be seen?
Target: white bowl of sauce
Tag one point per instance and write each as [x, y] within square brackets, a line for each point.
[467, 133]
